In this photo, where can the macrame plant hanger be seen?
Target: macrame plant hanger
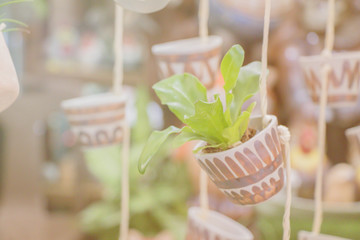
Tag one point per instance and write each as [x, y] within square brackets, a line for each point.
[329, 45]
[118, 89]
[204, 32]
[283, 131]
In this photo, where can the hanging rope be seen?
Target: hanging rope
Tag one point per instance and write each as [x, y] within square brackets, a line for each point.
[284, 136]
[263, 76]
[125, 193]
[118, 49]
[203, 33]
[329, 45]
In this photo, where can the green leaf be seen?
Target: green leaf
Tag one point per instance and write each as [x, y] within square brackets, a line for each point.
[208, 121]
[246, 86]
[236, 131]
[180, 93]
[155, 141]
[10, 20]
[187, 135]
[230, 66]
[13, 2]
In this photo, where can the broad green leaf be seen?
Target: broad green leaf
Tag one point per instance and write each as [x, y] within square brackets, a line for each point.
[236, 131]
[187, 135]
[10, 20]
[155, 141]
[230, 66]
[229, 99]
[246, 86]
[180, 93]
[208, 121]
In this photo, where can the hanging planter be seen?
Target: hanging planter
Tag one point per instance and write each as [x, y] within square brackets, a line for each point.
[198, 56]
[303, 235]
[249, 173]
[141, 6]
[96, 120]
[344, 77]
[241, 157]
[214, 226]
[9, 86]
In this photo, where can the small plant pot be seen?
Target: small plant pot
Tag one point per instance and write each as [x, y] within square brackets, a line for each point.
[9, 85]
[344, 77]
[252, 172]
[96, 120]
[200, 57]
[303, 235]
[142, 6]
[353, 135]
[214, 226]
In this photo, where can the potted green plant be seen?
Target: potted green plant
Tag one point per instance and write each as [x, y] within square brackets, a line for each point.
[241, 156]
[9, 84]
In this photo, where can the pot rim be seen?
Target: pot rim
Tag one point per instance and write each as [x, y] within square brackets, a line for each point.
[352, 131]
[142, 6]
[239, 231]
[335, 56]
[187, 46]
[94, 100]
[272, 119]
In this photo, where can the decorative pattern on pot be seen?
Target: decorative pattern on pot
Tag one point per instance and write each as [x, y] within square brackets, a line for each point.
[303, 235]
[344, 78]
[251, 172]
[214, 226]
[96, 120]
[197, 56]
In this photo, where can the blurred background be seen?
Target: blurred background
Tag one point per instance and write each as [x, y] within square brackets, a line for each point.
[51, 190]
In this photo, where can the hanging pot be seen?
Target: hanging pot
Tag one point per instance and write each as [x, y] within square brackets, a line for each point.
[251, 172]
[353, 136]
[214, 226]
[143, 6]
[200, 57]
[9, 86]
[303, 235]
[344, 77]
[96, 120]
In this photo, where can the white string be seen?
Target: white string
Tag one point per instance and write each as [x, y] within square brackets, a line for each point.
[203, 18]
[204, 32]
[329, 45]
[284, 136]
[125, 193]
[118, 49]
[263, 76]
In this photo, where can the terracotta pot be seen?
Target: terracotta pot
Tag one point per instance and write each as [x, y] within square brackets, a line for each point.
[142, 6]
[195, 55]
[9, 85]
[96, 120]
[343, 87]
[303, 235]
[214, 226]
[252, 172]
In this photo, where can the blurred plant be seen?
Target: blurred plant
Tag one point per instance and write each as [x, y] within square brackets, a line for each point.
[157, 200]
[21, 25]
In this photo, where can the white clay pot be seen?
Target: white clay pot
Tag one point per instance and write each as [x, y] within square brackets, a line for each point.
[252, 172]
[214, 226]
[344, 78]
[96, 120]
[9, 84]
[200, 57]
[303, 235]
[143, 6]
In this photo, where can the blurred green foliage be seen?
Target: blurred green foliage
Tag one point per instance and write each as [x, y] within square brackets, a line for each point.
[157, 199]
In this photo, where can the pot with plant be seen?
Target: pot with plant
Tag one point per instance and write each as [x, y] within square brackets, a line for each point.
[240, 155]
[198, 56]
[9, 84]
